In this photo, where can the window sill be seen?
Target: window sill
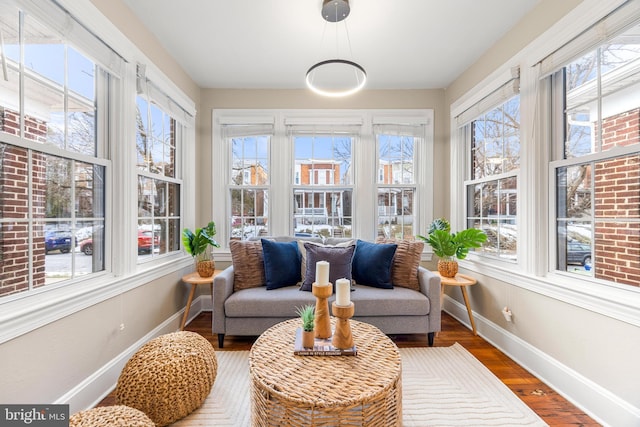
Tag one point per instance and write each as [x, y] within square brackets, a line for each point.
[620, 302]
[25, 314]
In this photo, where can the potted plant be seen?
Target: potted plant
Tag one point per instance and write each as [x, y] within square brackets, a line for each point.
[198, 245]
[450, 247]
[307, 314]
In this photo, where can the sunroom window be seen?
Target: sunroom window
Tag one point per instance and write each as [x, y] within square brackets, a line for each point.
[159, 138]
[322, 200]
[397, 184]
[596, 161]
[491, 129]
[53, 163]
[249, 179]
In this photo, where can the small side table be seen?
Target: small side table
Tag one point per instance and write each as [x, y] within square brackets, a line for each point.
[194, 280]
[461, 280]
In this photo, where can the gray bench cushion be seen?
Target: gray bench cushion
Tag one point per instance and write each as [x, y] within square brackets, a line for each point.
[368, 301]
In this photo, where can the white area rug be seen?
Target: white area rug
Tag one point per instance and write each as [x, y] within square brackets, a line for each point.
[441, 386]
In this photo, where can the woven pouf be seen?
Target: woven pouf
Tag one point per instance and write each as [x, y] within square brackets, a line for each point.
[168, 377]
[116, 416]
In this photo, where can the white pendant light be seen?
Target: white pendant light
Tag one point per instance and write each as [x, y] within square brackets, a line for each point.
[336, 77]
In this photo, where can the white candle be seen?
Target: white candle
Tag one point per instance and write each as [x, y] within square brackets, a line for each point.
[322, 273]
[343, 292]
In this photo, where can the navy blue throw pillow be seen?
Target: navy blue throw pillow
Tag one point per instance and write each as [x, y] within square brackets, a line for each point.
[371, 264]
[281, 263]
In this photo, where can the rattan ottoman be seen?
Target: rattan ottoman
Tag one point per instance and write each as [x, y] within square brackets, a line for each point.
[116, 416]
[168, 377]
[362, 390]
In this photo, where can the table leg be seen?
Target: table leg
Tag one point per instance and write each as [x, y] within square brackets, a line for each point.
[186, 309]
[466, 302]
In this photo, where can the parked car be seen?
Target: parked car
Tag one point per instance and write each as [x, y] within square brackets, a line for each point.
[578, 253]
[146, 243]
[57, 240]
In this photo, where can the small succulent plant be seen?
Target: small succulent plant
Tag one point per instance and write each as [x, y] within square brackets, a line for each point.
[307, 314]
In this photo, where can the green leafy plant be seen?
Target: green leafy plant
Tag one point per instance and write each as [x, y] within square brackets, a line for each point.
[196, 244]
[307, 314]
[447, 244]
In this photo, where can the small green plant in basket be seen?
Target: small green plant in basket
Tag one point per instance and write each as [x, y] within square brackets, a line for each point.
[307, 315]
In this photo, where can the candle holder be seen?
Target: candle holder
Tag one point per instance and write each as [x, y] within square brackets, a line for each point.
[342, 337]
[322, 322]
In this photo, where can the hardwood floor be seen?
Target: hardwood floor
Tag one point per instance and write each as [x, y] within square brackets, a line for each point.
[549, 405]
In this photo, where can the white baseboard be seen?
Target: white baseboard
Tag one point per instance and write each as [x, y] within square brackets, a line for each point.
[97, 386]
[597, 402]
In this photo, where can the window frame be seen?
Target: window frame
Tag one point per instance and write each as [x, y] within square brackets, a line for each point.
[283, 175]
[23, 313]
[533, 274]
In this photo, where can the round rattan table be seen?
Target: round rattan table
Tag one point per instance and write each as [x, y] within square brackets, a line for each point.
[290, 390]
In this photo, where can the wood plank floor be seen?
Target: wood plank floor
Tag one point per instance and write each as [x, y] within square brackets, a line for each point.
[549, 405]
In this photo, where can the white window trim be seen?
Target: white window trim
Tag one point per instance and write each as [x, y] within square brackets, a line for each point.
[282, 168]
[23, 313]
[533, 273]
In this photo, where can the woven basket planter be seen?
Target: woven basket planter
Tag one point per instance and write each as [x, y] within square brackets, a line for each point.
[113, 416]
[206, 268]
[448, 267]
[169, 377]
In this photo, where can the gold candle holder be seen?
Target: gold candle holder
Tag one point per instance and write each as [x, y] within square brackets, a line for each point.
[321, 321]
[342, 337]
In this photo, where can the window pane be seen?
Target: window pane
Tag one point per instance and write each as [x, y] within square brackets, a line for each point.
[81, 75]
[90, 240]
[396, 213]
[44, 113]
[249, 209]
[10, 103]
[602, 90]
[57, 183]
[89, 188]
[44, 52]
[495, 144]
[493, 208]
[322, 159]
[14, 263]
[396, 159]
[14, 182]
[250, 162]
[142, 133]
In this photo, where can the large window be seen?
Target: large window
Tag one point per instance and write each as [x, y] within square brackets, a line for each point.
[248, 179]
[322, 190]
[53, 163]
[323, 173]
[396, 179]
[596, 161]
[491, 130]
[158, 146]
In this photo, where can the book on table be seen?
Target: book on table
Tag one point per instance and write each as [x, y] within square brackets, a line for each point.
[321, 347]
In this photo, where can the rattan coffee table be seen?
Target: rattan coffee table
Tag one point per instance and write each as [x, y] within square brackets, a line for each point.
[288, 390]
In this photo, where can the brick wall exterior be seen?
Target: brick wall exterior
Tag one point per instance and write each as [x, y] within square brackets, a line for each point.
[617, 195]
[14, 185]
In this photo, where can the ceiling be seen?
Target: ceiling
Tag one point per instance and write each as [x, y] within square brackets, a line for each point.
[270, 44]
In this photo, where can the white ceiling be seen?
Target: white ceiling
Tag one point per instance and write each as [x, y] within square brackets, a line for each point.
[270, 44]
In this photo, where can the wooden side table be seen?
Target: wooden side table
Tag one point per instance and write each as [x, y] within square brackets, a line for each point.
[461, 280]
[194, 280]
